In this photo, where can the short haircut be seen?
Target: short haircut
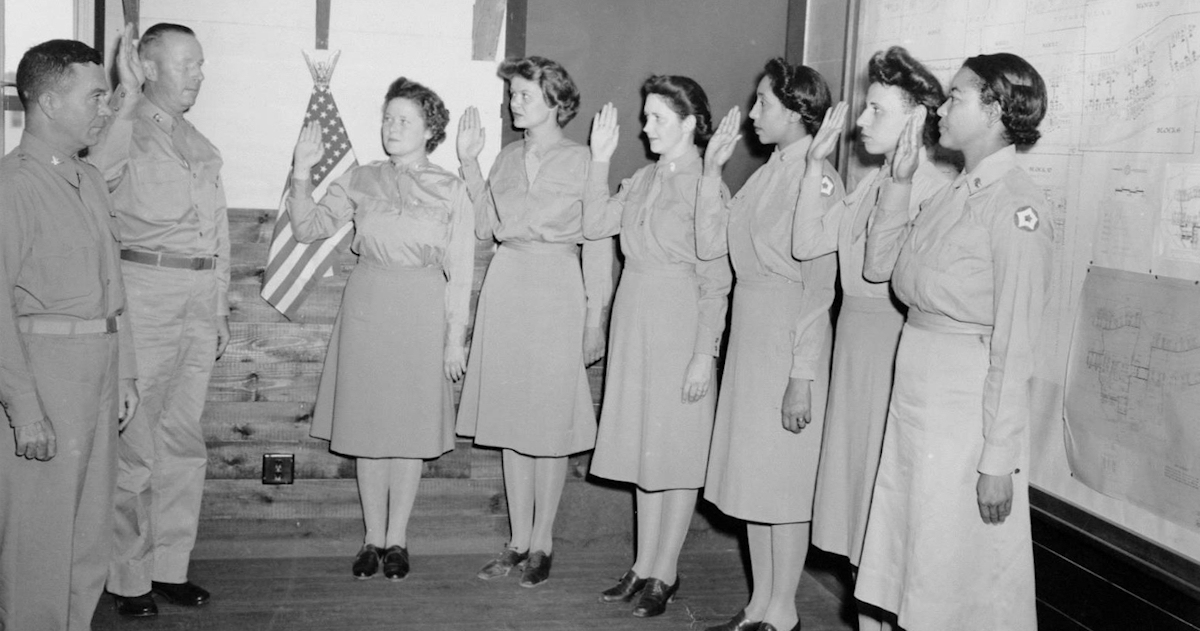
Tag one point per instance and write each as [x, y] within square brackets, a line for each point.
[1012, 82]
[686, 98]
[896, 67]
[560, 91]
[44, 67]
[801, 89]
[154, 35]
[433, 111]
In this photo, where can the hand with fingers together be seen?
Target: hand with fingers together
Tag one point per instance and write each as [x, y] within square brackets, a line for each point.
[723, 142]
[605, 133]
[471, 136]
[308, 152]
[698, 378]
[909, 147]
[826, 138]
[995, 494]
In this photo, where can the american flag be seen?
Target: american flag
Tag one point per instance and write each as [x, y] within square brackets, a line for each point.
[294, 269]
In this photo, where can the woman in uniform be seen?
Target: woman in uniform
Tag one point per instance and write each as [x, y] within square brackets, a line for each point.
[539, 319]
[767, 435]
[948, 541]
[384, 396]
[869, 321]
[668, 317]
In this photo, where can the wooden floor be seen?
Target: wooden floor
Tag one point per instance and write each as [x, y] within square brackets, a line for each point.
[442, 593]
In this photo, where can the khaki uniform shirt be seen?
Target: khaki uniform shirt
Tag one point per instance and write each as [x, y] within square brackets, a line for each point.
[755, 228]
[979, 252]
[58, 257]
[171, 199]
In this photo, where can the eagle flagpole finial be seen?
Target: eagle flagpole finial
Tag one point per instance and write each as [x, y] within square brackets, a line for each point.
[322, 70]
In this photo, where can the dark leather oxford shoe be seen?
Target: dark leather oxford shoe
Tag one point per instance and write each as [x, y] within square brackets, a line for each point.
[737, 623]
[655, 596]
[185, 594]
[366, 562]
[537, 569]
[395, 563]
[625, 589]
[136, 606]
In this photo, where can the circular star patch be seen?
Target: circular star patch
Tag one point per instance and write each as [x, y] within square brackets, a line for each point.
[1026, 218]
[826, 186]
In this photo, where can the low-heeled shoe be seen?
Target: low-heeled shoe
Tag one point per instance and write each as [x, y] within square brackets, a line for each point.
[502, 564]
[186, 594]
[366, 562]
[655, 596]
[136, 606]
[625, 589]
[767, 626]
[738, 623]
[537, 569]
[395, 563]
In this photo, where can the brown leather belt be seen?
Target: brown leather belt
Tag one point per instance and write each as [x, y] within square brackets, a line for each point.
[168, 260]
[55, 325]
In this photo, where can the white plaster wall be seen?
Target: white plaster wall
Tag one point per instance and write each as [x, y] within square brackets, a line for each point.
[29, 22]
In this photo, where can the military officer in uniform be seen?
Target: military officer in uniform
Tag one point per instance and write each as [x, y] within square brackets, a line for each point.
[67, 366]
[175, 234]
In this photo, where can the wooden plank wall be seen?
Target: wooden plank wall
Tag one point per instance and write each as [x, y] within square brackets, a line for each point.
[261, 396]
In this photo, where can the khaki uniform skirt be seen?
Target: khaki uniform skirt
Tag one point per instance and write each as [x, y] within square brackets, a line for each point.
[928, 556]
[758, 471]
[864, 353]
[383, 391]
[648, 435]
[526, 388]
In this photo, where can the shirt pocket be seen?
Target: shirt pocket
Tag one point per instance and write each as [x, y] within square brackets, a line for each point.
[432, 212]
[65, 274]
[962, 251]
[162, 187]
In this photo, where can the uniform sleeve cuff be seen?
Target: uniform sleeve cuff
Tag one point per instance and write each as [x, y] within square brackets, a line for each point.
[802, 370]
[25, 410]
[997, 460]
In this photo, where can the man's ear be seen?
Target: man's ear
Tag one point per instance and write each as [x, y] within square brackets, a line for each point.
[48, 102]
[149, 68]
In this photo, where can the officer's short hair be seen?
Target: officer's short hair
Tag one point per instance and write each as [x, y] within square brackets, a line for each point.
[44, 67]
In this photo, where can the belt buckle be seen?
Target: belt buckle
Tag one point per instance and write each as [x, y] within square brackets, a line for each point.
[110, 324]
[197, 264]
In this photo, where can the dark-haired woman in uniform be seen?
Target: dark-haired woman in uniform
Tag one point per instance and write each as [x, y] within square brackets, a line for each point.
[767, 435]
[539, 322]
[668, 317]
[869, 321]
[384, 396]
[948, 541]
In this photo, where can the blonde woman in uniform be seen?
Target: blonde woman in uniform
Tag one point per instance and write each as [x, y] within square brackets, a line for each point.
[384, 396]
[668, 317]
[869, 321]
[539, 321]
[948, 542]
[767, 434]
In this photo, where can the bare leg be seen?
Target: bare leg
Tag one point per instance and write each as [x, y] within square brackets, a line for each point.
[372, 474]
[762, 569]
[677, 508]
[518, 488]
[789, 546]
[649, 524]
[549, 478]
[404, 475]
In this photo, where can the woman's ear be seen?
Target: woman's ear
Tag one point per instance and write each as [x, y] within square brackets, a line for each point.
[689, 124]
[994, 113]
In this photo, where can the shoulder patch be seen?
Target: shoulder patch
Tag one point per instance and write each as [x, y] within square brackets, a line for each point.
[1026, 218]
[826, 186]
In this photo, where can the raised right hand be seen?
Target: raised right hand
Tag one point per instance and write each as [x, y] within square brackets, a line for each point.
[308, 150]
[825, 141]
[723, 141]
[605, 133]
[909, 146]
[36, 441]
[471, 136]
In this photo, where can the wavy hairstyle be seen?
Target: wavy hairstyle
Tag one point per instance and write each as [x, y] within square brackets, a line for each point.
[801, 89]
[686, 98]
[896, 67]
[557, 86]
[46, 66]
[1012, 82]
[433, 111]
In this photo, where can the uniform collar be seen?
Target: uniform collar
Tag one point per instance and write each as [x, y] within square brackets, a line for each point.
[795, 152]
[989, 170]
[157, 114]
[414, 167]
[688, 162]
[65, 166]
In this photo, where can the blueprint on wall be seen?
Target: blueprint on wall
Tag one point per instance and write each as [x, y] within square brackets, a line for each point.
[1133, 391]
